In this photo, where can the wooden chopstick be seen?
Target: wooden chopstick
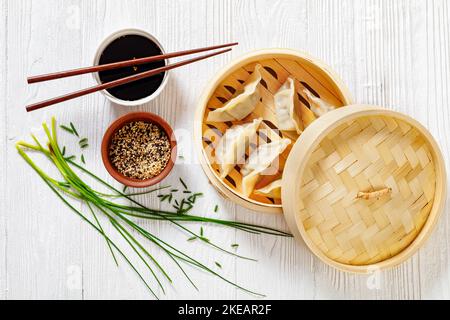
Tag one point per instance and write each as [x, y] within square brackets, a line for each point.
[118, 82]
[121, 64]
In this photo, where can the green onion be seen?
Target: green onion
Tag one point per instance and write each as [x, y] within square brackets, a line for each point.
[71, 187]
[184, 184]
[164, 197]
[66, 129]
[74, 130]
[82, 159]
[183, 207]
[218, 264]
[193, 198]
[235, 245]
[83, 143]
[216, 208]
[134, 194]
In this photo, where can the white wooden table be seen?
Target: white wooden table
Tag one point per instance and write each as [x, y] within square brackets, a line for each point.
[391, 53]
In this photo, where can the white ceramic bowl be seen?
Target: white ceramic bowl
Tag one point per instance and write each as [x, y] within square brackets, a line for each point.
[102, 47]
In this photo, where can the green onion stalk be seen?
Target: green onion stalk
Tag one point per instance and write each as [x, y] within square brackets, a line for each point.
[122, 216]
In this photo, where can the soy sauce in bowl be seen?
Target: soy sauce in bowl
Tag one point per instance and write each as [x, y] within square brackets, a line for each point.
[126, 47]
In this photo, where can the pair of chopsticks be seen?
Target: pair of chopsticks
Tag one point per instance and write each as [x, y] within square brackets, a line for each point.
[117, 65]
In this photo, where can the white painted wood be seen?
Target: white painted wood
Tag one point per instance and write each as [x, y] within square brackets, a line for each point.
[3, 143]
[392, 53]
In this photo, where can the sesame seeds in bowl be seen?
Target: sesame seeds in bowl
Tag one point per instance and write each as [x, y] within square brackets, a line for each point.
[138, 149]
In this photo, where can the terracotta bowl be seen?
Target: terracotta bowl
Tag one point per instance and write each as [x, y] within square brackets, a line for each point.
[118, 124]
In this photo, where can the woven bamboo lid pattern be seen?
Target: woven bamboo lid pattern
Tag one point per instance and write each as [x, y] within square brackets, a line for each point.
[365, 188]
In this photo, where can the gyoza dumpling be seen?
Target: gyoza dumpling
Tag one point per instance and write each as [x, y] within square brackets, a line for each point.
[318, 106]
[232, 146]
[242, 105]
[258, 161]
[272, 190]
[288, 119]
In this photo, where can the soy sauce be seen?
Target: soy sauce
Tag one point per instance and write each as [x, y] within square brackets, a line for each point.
[131, 47]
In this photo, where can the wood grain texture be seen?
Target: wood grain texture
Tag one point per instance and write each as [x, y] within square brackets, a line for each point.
[3, 143]
[393, 53]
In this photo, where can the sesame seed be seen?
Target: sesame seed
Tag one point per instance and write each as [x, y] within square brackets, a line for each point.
[140, 150]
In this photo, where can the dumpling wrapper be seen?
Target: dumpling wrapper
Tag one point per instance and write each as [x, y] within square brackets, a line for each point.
[233, 144]
[242, 105]
[308, 116]
[318, 106]
[288, 119]
[272, 190]
[258, 161]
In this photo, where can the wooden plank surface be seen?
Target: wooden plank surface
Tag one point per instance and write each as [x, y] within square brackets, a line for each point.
[3, 143]
[391, 53]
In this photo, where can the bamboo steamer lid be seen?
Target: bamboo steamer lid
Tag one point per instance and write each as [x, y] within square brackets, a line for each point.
[363, 187]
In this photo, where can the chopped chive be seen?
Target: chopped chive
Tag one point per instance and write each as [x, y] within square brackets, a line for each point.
[63, 152]
[193, 197]
[181, 157]
[180, 207]
[174, 190]
[185, 210]
[187, 191]
[201, 231]
[184, 184]
[176, 202]
[73, 129]
[235, 245]
[124, 188]
[82, 159]
[70, 158]
[192, 238]
[219, 265]
[184, 207]
[216, 208]
[66, 129]
[204, 239]
[83, 143]
[164, 197]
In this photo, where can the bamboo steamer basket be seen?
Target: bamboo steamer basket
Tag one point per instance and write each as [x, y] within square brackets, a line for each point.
[362, 186]
[278, 65]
